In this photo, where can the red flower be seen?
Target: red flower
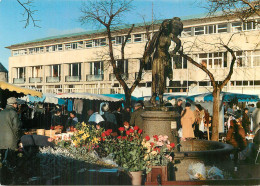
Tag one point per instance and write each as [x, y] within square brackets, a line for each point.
[140, 131]
[155, 137]
[147, 138]
[103, 134]
[52, 127]
[131, 130]
[172, 145]
[136, 127]
[103, 139]
[124, 137]
[157, 149]
[121, 129]
[131, 139]
[119, 137]
[152, 144]
[128, 132]
[109, 130]
[107, 133]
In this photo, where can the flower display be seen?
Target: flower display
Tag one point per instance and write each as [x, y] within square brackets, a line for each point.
[88, 136]
[158, 152]
[127, 150]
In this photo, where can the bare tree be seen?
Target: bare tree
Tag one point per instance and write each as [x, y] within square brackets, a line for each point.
[28, 12]
[242, 9]
[109, 14]
[217, 86]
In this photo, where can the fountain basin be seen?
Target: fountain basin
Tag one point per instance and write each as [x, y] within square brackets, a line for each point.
[210, 153]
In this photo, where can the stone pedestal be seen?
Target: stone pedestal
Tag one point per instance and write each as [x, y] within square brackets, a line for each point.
[158, 123]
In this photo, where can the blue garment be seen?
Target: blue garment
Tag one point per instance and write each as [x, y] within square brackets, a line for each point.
[61, 102]
[70, 105]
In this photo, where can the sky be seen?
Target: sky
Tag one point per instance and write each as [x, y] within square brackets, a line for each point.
[57, 17]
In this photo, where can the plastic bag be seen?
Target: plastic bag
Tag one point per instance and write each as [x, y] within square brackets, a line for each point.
[109, 160]
[197, 171]
[215, 173]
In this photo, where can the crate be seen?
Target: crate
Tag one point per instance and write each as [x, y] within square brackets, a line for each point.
[157, 170]
[40, 132]
[50, 133]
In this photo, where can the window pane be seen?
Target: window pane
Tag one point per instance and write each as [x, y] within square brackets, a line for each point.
[137, 37]
[236, 26]
[88, 44]
[222, 28]
[186, 32]
[199, 30]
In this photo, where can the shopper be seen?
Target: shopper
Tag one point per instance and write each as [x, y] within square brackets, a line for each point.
[187, 120]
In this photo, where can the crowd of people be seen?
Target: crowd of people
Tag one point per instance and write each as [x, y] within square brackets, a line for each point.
[190, 123]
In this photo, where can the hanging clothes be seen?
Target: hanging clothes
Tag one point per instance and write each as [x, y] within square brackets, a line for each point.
[78, 106]
[70, 105]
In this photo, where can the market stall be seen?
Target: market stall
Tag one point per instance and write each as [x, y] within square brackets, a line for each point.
[9, 90]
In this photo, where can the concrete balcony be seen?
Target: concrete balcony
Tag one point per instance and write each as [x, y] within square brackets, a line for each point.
[99, 77]
[35, 80]
[19, 80]
[113, 76]
[72, 78]
[51, 79]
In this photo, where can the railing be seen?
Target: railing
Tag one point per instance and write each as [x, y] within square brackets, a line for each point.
[72, 78]
[51, 79]
[113, 76]
[35, 79]
[19, 80]
[98, 77]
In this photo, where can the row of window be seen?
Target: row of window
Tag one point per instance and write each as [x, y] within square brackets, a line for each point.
[209, 60]
[221, 28]
[180, 84]
[74, 69]
[79, 45]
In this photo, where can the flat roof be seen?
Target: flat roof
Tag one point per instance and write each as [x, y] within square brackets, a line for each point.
[121, 27]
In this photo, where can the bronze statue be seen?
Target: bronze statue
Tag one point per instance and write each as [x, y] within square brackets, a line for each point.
[169, 31]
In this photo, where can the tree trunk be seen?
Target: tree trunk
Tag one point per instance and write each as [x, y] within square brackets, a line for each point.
[215, 119]
[127, 98]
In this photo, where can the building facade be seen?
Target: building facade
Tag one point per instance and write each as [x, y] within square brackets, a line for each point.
[80, 62]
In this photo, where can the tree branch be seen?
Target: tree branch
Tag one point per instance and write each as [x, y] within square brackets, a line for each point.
[212, 79]
[29, 13]
[226, 80]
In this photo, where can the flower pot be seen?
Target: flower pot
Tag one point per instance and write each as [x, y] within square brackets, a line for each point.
[136, 177]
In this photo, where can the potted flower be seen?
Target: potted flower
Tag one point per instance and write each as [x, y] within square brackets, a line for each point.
[128, 151]
[158, 155]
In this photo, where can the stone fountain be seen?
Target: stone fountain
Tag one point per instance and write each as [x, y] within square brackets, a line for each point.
[211, 153]
[156, 120]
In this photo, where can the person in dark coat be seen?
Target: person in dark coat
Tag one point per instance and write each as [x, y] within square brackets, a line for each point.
[10, 125]
[136, 119]
[72, 120]
[57, 119]
[126, 114]
[246, 121]
[178, 108]
[119, 116]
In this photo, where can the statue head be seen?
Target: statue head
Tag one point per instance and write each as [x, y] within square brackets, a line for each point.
[176, 26]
